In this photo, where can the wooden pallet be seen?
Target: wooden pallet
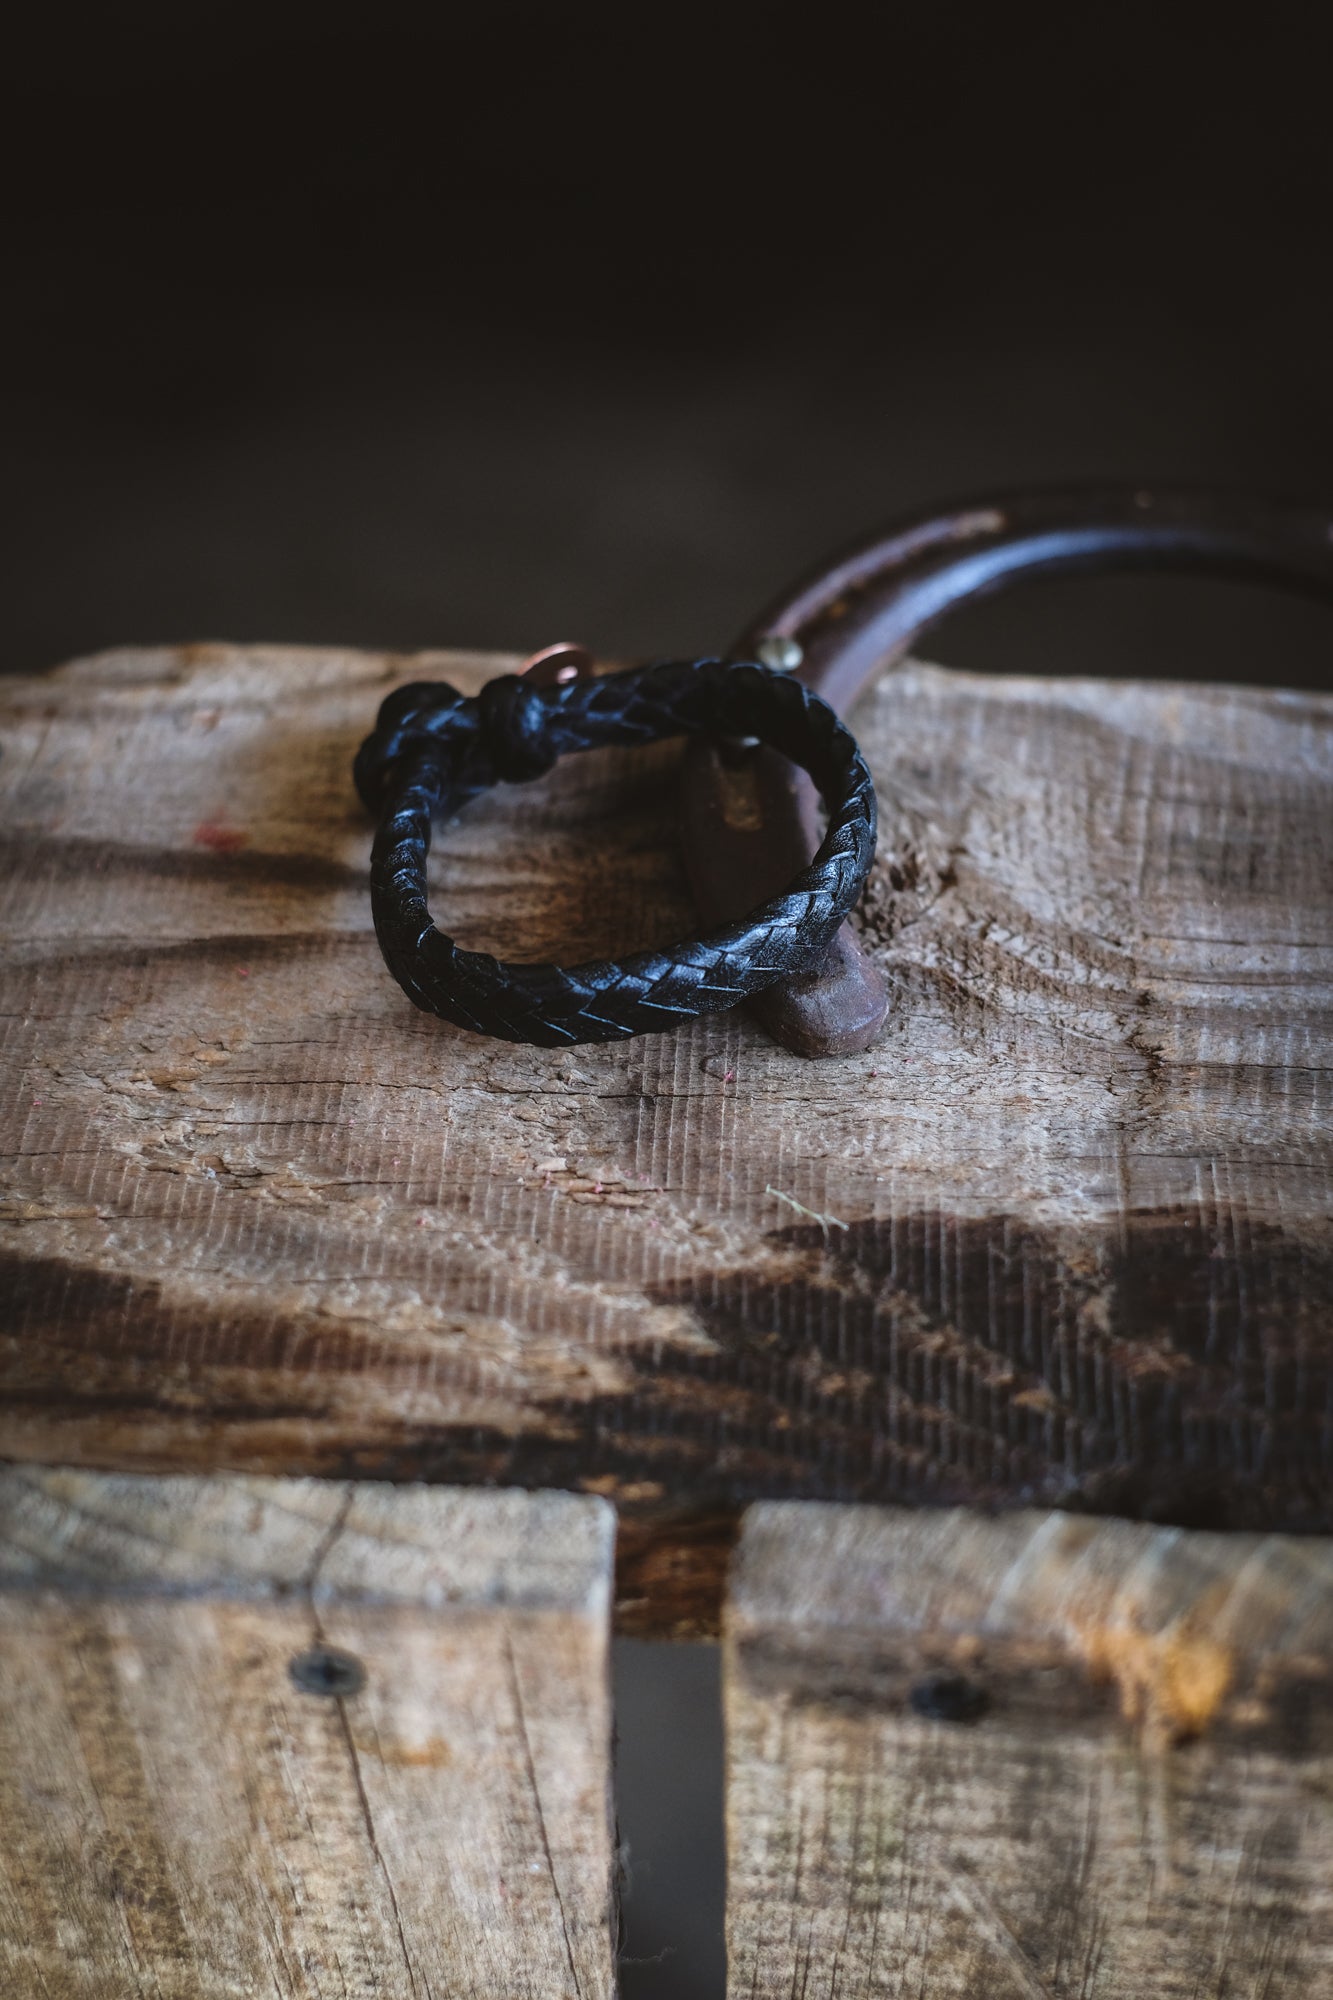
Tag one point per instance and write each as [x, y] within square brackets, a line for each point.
[1062, 1240]
[303, 1737]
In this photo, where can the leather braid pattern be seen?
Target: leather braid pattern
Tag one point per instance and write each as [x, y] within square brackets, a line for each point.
[434, 749]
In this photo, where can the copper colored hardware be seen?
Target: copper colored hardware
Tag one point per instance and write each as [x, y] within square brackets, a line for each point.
[558, 665]
[749, 817]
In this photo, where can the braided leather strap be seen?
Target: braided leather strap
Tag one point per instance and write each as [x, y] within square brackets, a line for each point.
[433, 749]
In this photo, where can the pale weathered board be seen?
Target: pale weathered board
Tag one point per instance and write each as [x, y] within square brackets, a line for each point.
[1062, 1236]
[179, 1820]
[1140, 1802]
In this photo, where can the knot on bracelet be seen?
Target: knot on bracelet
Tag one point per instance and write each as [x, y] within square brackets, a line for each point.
[513, 729]
[502, 730]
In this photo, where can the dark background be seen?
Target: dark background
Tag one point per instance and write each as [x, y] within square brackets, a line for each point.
[492, 325]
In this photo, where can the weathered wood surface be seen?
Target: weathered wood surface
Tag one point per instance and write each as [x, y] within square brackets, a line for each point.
[180, 1820]
[1141, 1802]
[1063, 1235]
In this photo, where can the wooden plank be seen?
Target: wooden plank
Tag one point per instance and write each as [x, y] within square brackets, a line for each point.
[1064, 1235]
[1027, 1758]
[182, 1818]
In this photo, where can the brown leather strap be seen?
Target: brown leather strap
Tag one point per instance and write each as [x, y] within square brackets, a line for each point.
[749, 818]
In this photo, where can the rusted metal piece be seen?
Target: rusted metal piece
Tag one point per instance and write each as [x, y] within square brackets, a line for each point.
[752, 821]
[864, 611]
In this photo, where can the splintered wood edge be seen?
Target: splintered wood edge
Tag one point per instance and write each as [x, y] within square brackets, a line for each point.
[1180, 1621]
[350, 1542]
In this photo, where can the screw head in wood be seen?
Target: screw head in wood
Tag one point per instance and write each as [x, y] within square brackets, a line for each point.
[326, 1670]
[949, 1698]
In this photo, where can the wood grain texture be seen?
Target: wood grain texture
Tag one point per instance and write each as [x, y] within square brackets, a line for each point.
[1063, 1235]
[180, 1819]
[1143, 1805]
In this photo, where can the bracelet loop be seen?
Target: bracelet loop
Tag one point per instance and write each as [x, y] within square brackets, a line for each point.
[434, 749]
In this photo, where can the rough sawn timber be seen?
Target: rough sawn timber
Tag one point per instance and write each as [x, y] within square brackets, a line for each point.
[1121, 1786]
[1062, 1236]
[180, 1820]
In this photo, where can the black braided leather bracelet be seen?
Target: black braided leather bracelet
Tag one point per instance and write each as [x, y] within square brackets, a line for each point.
[434, 749]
